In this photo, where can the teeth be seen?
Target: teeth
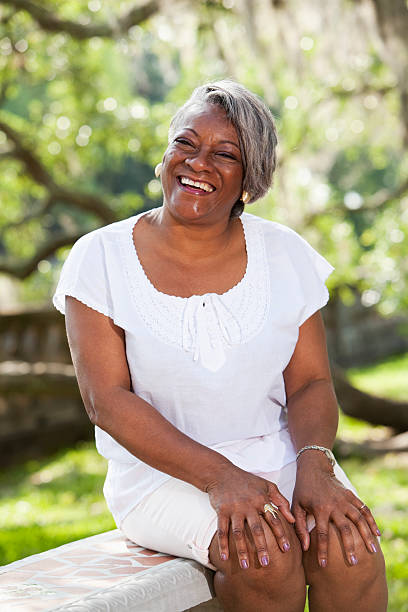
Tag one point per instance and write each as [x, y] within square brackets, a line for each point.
[205, 186]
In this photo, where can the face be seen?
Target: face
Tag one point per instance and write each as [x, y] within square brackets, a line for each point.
[202, 167]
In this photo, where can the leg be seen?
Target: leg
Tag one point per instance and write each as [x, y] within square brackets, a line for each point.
[340, 587]
[278, 587]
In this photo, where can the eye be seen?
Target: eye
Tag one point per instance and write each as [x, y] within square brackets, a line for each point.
[184, 141]
[227, 155]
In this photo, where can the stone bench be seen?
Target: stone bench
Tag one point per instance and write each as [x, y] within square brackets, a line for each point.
[105, 573]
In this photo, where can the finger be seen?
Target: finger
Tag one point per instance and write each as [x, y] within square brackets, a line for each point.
[322, 534]
[222, 536]
[301, 529]
[238, 533]
[258, 536]
[365, 511]
[275, 523]
[343, 525]
[280, 501]
[360, 522]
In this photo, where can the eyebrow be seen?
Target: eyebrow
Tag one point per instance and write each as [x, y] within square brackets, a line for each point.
[220, 142]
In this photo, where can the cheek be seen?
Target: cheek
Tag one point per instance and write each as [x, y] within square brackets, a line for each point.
[236, 177]
[170, 158]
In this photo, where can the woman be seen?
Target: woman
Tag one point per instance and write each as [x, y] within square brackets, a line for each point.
[200, 354]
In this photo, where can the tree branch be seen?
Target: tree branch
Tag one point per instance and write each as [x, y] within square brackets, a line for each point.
[32, 164]
[371, 448]
[43, 208]
[40, 174]
[370, 408]
[340, 92]
[22, 269]
[50, 22]
[383, 197]
[3, 92]
[379, 199]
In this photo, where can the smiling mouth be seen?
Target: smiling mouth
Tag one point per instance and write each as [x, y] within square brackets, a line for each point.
[196, 187]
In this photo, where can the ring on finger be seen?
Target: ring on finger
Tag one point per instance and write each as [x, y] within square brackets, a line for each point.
[362, 507]
[270, 507]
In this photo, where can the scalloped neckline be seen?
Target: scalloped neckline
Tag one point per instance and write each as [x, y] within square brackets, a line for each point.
[134, 220]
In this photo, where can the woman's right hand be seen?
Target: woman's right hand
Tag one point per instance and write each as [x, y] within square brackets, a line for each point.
[239, 497]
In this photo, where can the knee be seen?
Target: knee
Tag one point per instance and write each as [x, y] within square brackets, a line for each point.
[282, 576]
[369, 569]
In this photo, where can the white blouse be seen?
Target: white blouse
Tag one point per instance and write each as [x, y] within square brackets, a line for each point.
[211, 364]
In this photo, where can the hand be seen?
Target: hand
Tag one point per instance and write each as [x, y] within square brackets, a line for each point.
[238, 497]
[320, 493]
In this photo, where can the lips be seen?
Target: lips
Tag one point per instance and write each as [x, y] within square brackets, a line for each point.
[194, 186]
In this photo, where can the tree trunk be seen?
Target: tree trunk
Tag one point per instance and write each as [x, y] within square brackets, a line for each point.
[392, 20]
[370, 408]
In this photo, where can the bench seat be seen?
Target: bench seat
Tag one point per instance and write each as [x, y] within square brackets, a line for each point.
[105, 573]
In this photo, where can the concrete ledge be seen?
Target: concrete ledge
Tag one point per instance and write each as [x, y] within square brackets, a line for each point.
[105, 573]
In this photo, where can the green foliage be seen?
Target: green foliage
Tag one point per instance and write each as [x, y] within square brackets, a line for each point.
[95, 112]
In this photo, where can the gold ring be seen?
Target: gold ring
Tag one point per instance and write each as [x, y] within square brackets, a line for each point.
[272, 509]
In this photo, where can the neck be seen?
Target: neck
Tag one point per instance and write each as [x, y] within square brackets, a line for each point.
[190, 239]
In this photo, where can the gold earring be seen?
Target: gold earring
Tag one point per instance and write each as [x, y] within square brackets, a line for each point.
[245, 197]
[158, 169]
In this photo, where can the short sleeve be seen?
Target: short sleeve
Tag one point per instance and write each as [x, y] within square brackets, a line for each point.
[84, 276]
[312, 270]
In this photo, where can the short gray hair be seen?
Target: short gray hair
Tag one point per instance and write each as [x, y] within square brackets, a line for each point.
[255, 127]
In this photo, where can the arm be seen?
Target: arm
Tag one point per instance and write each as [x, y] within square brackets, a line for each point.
[98, 353]
[313, 419]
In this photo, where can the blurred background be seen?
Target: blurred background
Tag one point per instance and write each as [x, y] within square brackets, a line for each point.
[87, 89]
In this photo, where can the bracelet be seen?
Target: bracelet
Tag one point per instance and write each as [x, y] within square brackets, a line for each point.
[324, 450]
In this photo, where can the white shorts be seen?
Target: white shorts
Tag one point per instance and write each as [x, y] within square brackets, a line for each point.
[178, 519]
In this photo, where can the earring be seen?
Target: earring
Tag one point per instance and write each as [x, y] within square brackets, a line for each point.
[158, 169]
[245, 197]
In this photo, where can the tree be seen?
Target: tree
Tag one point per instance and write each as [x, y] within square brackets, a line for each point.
[55, 145]
[87, 91]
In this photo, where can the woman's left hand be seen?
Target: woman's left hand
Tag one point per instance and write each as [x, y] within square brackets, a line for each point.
[319, 493]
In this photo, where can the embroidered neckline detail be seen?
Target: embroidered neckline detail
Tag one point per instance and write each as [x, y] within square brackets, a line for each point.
[205, 325]
[178, 297]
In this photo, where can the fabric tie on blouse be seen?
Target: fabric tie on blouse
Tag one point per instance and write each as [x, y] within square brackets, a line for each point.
[208, 328]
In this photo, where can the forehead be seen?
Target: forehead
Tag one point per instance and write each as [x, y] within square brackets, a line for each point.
[207, 117]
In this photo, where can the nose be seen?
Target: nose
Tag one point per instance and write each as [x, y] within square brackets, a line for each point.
[199, 161]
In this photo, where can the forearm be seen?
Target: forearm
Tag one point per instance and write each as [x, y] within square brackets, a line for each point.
[145, 433]
[313, 415]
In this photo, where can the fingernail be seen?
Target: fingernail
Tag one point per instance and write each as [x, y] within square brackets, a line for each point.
[373, 547]
[223, 557]
[323, 562]
[353, 560]
[244, 563]
[286, 546]
[378, 532]
[264, 560]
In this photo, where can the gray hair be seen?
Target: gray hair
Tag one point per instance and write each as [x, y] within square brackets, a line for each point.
[255, 128]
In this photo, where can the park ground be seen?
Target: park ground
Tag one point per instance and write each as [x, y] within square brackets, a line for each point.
[45, 503]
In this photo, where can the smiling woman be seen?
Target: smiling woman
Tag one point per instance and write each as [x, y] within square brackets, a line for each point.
[203, 159]
[199, 349]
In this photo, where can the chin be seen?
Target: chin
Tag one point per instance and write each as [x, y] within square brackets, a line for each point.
[190, 208]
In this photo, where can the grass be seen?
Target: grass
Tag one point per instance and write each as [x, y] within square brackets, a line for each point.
[386, 379]
[46, 503]
[382, 482]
